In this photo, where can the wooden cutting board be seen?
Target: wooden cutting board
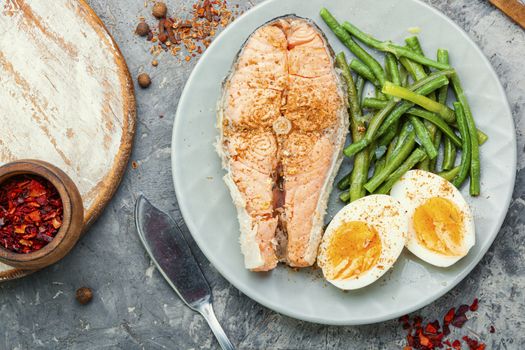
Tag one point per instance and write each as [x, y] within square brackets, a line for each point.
[66, 97]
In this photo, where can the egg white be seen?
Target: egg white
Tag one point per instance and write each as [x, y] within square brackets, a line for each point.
[385, 215]
[412, 190]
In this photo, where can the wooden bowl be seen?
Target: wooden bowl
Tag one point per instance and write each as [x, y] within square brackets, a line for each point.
[73, 212]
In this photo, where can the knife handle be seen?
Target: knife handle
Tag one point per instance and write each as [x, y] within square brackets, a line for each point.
[206, 310]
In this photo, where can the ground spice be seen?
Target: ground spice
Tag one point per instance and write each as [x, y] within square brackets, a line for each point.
[431, 335]
[31, 213]
[190, 35]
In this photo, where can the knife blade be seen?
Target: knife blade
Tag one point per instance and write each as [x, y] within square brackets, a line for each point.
[168, 249]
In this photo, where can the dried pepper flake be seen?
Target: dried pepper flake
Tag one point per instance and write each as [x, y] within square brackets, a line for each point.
[31, 213]
[430, 335]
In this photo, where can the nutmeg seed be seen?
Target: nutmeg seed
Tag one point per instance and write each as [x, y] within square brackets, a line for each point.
[84, 295]
[144, 80]
[159, 10]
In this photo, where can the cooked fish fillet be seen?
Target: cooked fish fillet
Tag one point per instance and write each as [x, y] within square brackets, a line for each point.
[283, 122]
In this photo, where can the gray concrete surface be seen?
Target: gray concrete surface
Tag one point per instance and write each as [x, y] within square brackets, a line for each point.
[134, 308]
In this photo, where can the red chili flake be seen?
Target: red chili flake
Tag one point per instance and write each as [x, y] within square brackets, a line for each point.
[456, 344]
[459, 321]
[31, 213]
[449, 316]
[423, 340]
[462, 309]
[474, 305]
[446, 329]
[492, 329]
[431, 328]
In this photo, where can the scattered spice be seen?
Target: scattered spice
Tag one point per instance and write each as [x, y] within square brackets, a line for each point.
[159, 10]
[84, 295]
[431, 335]
[144, 80]
[492, 329]
[134, 164]
[187, 35]
[31, 213]
[142, 29]
[154, 63]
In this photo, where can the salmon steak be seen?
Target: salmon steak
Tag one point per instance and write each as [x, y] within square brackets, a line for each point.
[283, 121]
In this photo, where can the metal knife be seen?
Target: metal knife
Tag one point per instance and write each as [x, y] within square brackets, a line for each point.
[170, 252]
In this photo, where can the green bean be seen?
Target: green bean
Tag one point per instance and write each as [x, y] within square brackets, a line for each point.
[376, 127]
[417, 156]
[345, 196]
[415, 70]
[404, 134]
[387, 138]
[355, 109]
[424, 137]
[379, 165]
[414, 44]
[449, 175]
[357, 127]
[359, 86]
[363, 71]
[357, 50]
[398, 91]
[344, 183]
[471, 125]
[373, 103]
[392, 68]
[437, 121]
[391, 148]
[466, 152]
[404, 106]
[449, 155]
[359, 175]
[387, 46]
[438, 135]
[398, 157]
[442, 56]
[404, 76]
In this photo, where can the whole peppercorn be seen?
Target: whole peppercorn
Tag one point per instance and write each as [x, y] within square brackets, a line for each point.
[84, 295]
[154, 63]
[160, 10]
[142, 29]
[144, 80]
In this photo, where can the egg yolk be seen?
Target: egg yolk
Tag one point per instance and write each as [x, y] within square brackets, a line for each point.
[438, 224]
[353, 249]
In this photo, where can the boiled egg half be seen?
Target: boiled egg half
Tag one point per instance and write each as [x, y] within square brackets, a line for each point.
[362, 242]
[440, 224]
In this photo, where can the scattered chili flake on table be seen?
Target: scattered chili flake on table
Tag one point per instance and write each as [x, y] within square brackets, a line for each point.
[431, 335]
[187, 36]
[31, 213]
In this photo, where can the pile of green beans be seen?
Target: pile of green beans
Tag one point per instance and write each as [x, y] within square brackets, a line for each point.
[412, 124]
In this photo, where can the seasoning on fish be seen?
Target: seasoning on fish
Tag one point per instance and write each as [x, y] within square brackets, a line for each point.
[283, 122]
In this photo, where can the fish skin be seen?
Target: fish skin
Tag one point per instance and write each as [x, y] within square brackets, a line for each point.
[280, 183]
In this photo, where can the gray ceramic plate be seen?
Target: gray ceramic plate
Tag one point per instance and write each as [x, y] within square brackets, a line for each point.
[210, 215]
